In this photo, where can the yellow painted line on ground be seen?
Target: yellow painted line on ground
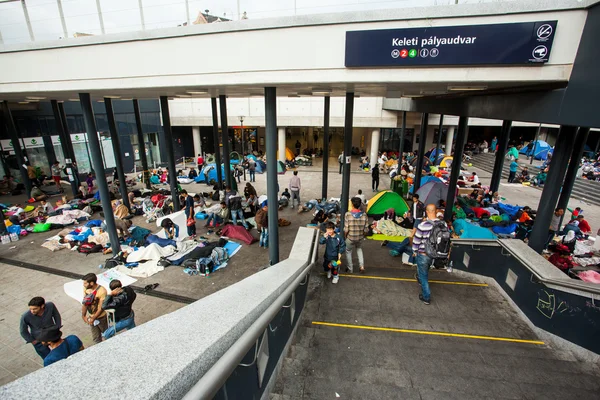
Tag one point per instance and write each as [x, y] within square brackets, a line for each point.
[383, 278]
[432, 333]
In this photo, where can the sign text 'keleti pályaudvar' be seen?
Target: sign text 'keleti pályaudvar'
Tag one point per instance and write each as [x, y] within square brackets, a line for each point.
[515, 43]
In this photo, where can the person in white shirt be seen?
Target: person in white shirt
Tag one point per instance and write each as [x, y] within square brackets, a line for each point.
[474, 179]
[361, 196]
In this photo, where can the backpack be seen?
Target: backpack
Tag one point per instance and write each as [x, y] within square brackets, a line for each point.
[438, 242]
[87, 248]
[219, 256]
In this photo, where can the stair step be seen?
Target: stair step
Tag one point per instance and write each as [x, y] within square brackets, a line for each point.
[583, 189]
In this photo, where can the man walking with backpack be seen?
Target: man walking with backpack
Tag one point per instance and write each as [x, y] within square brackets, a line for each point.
[431, 240]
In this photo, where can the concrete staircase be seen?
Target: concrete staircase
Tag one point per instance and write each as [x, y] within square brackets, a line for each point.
[588, 191]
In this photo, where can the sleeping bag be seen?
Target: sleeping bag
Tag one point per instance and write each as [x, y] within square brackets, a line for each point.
[238, 232]
[505, 230]
[466, 230]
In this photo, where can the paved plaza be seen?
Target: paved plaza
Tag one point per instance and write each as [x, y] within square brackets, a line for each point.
[19, 284]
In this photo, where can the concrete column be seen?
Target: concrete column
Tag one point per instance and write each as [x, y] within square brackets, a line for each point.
[98, 165]
[556, 178]
[461, 140]
[166, 120]
[271, 149]
[348, 119]
[375, 136]
[449, 140]
[281, 144]
[197, 141]
[421, 152]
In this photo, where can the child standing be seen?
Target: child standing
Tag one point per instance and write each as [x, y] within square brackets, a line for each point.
[262, 224]
[335, 246]
[90, 182]
[512, 171]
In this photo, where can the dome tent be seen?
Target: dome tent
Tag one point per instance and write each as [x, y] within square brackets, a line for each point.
[385, 200]
[540, 150]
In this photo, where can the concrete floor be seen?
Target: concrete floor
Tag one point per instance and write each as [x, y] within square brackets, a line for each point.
[328, 362]
[18, 285]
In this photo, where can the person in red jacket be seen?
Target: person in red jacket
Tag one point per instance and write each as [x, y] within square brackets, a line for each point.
[584, 226]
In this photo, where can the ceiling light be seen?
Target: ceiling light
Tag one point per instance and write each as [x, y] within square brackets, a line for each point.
[432, 92]
[127, 98]
[321, 93]
[305, 93]
[73, 99]
[412, 95]
[197, 91]
[23, 102]
[465, 88]
[293, 95]
[112, 97]
[100, 101]
[183, 95]
[34, 98]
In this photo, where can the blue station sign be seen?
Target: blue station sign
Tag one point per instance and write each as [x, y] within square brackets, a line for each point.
[514, 43]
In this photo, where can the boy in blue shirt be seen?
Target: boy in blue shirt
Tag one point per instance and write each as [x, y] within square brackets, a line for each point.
[513, 171]
[59, 348]
[335, 246]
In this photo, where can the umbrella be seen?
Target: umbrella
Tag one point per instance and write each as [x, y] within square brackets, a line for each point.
[432, 192]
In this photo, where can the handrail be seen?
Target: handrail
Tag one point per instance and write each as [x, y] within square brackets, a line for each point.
[565, 282]
[217, 375]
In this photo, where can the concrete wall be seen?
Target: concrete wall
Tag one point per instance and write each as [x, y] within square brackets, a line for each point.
[303, 112]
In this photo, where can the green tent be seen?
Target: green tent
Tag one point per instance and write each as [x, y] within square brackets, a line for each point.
[385, 200]
[280, 168]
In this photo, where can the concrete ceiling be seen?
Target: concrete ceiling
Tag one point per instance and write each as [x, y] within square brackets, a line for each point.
[394, 90]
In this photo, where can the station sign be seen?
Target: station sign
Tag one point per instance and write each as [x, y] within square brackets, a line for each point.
[513, 43]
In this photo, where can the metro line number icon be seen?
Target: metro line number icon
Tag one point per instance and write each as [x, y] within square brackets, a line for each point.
[395, 53]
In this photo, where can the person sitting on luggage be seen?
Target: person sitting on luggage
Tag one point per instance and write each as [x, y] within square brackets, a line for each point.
[121, 300]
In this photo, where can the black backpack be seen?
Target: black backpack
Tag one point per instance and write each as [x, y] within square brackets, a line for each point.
[438, 242]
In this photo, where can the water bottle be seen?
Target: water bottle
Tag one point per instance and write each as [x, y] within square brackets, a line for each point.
[207, 271]
[14, 237]
[5, 239]
[450, 269]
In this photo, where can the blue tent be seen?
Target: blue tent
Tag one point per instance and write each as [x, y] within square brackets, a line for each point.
[211, 171]
[424, 180]
[540, 150]
[260, 166]
[434, 155]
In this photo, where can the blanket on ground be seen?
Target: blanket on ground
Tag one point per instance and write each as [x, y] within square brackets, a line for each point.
[390, 228]
[151, 252]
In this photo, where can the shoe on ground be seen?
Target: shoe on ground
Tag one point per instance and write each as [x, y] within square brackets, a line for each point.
[426, 302]
[329, 274]
[292, 207]
[348, 269]
[361, 270]
[335, 279]
[384, 243]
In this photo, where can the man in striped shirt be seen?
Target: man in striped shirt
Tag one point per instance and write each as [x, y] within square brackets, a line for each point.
[355, 227]
[420, 235]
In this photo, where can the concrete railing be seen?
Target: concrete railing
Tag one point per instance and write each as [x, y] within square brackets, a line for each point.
[564, 310]
[166, 357]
